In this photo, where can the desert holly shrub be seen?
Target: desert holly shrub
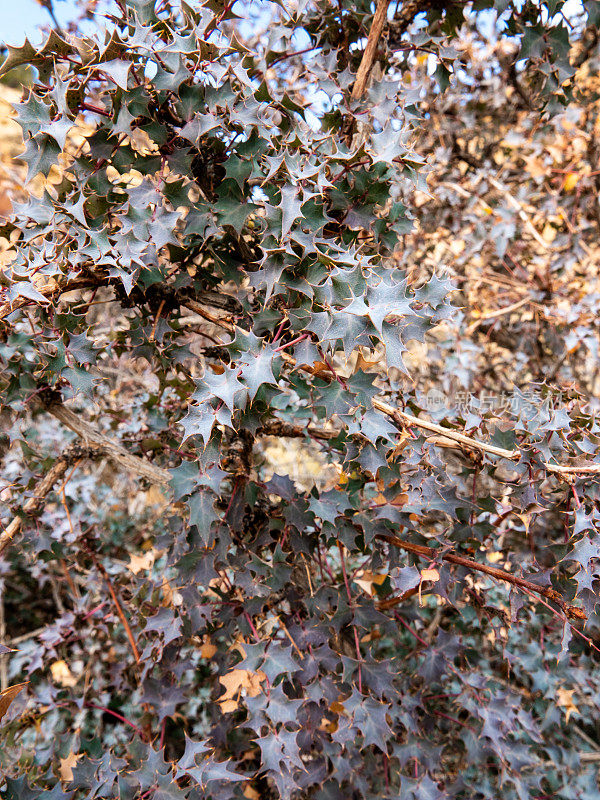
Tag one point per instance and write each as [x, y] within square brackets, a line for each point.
[265, 233]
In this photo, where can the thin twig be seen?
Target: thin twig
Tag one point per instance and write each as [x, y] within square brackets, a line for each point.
[120, 717]
[289, 635]
[518, 207]
[594, 745]
[500, 312]
[156, 318]
[96, 444]
[120, 611]
[285, 429]
[3, 656]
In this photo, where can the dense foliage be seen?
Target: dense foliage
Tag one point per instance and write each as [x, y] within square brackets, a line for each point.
[266, 223]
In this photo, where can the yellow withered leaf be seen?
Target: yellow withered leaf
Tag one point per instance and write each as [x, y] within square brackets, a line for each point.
[236, 682]
[367, 580]
[207, 648]
[571, 181]
[143, 562]
[565, 701]
[66, 766]
[61, 673]
[8, 695]
[365, 364]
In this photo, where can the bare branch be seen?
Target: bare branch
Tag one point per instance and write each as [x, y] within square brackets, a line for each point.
[51, 293]
[284, 429]
[96, 444]
[494, 572]
[107, 447]
[34, 504]
[364, 69]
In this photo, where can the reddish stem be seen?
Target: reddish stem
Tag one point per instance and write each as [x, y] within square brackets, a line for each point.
[120, 717]
[564, 618]
[351, 604]
[252, 628]
[341, 381]
[93, 611]
[211, 27]
[289, 344]
[95, 109]
[348, 167]
[279, 330]
[453, 719]
[386, 771]
[328, 569]
[409, 629]
[285, 56]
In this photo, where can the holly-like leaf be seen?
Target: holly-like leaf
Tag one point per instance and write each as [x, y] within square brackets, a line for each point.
[226, 387]
[202, 513]
[257, 370]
